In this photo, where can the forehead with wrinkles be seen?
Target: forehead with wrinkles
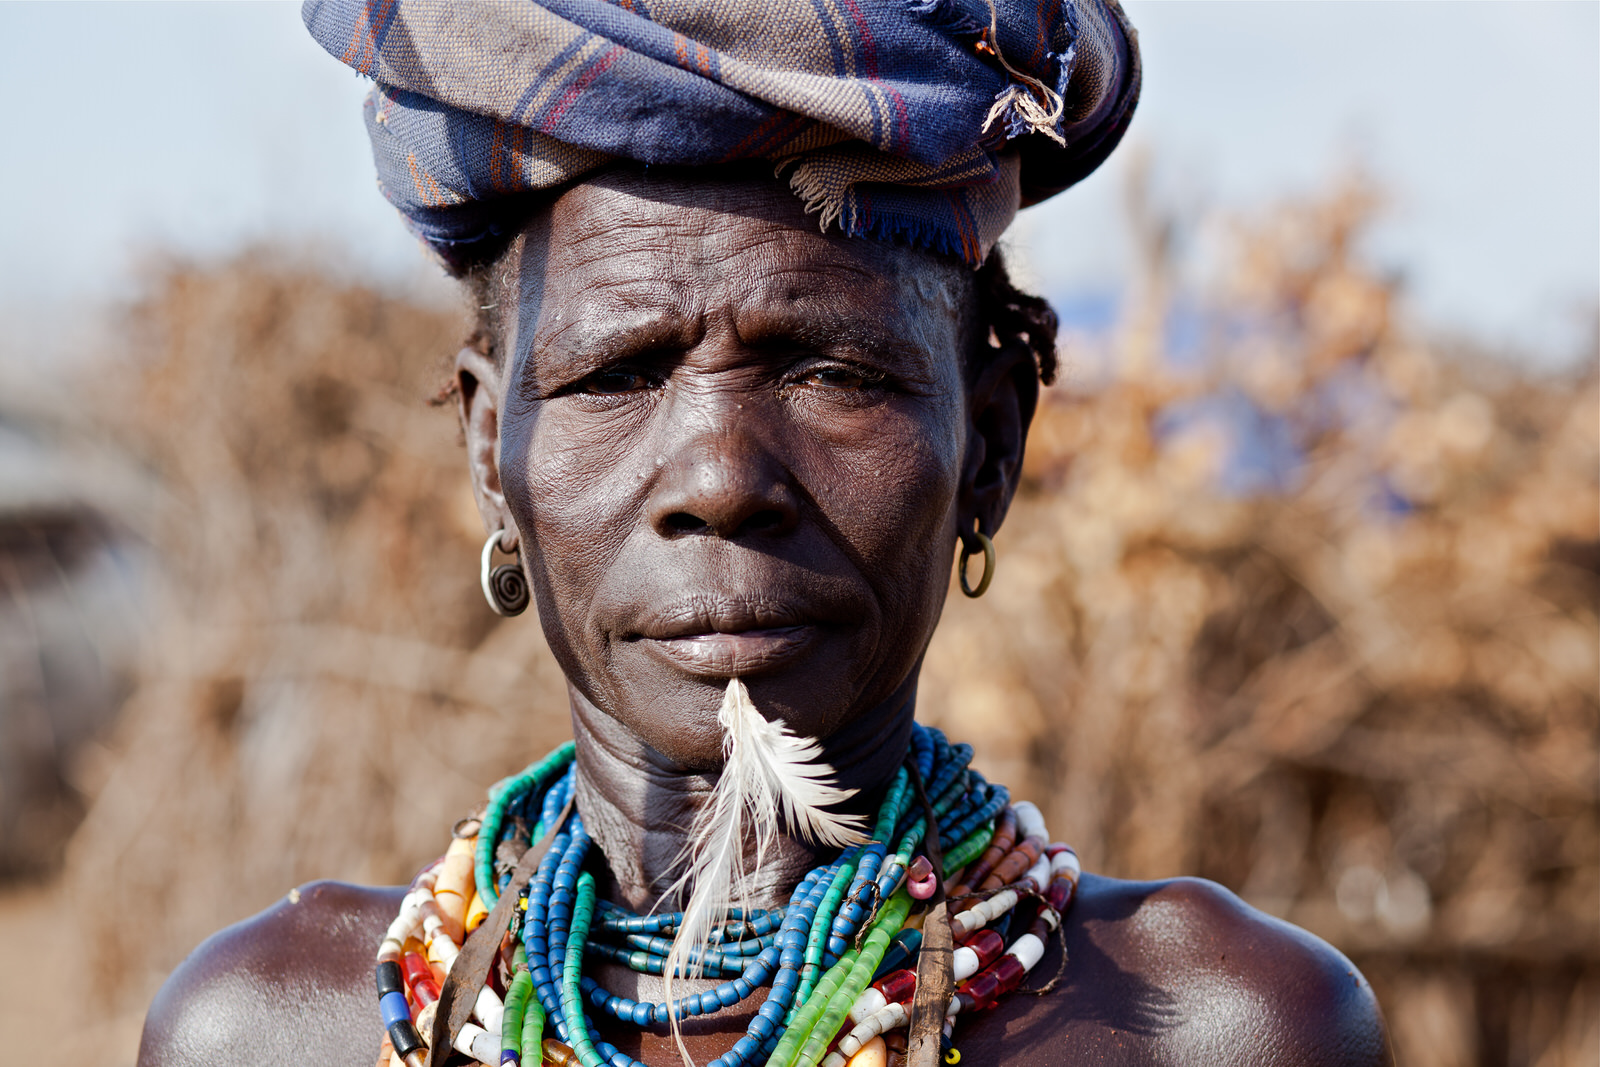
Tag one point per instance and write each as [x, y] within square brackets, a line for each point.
[632, 246]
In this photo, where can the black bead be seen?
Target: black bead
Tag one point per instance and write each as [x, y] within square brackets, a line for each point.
[405, 1039]
[389, 978]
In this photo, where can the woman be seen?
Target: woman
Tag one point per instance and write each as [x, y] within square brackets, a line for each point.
[732, 452]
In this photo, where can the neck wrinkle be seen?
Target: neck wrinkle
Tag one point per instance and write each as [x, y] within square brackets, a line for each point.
[638, 805]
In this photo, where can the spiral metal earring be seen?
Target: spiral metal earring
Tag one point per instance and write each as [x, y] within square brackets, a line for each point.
[988, 565]
[504, 587]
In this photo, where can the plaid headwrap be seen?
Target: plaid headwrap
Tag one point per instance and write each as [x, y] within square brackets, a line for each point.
[926, 121]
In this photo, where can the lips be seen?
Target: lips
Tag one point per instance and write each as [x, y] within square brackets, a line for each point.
[726, 636]
[725, 655]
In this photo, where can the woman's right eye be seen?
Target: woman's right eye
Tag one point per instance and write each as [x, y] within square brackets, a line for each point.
[613, 382]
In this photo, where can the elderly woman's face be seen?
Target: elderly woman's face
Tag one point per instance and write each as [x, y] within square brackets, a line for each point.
[730, 445]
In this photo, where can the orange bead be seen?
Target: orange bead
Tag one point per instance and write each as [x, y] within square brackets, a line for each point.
[874, 1053]
[1015, 865]
[455, 886]
[1005, 835]
[558, 1054]
[476, 913]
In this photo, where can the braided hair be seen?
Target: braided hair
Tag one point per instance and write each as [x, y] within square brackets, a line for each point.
[1015, 317]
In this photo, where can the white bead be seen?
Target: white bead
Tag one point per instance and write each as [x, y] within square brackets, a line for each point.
[490, 1011]
[1039, 873]
[480, 1044]
[998, 905]
[405, 925]
[1030, 820]
[966, 963]
[424, 1020]
[1066, 860]
[444, 951]
[1028, 949]
[868, 1002]
[886, 1018]
[982, 913]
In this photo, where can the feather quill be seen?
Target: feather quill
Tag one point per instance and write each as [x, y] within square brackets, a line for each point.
[769, 776]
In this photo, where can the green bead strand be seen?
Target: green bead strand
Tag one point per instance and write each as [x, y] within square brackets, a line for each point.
[817, 939]
[953, 793]
[516, 1008]
[894, 804]
[531, 1052]
[889, 923]
[907, 847]
[572, 970]
[533, 1034]
[501, 796]
[970, 849]
[800, 1026]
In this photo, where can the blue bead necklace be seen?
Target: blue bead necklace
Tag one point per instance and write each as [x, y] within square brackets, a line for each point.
[559, 923]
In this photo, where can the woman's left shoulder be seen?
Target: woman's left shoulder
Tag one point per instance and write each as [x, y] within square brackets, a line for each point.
[1183, 971]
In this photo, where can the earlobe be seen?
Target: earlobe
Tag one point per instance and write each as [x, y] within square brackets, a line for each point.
[478, 392]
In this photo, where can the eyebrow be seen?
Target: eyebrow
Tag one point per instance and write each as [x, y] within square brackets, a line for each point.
[823, 332]
[594, 338]
[592, 343]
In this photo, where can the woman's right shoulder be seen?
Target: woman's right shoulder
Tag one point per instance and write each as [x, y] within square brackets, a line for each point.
[292, 984]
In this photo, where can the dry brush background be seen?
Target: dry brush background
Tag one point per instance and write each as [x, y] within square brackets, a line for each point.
[1359, 688]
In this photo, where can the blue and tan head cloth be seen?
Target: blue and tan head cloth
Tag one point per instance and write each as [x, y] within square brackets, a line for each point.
[924, 121]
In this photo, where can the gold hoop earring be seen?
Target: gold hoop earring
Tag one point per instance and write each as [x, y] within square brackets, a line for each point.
[505, 587]
[988, 566]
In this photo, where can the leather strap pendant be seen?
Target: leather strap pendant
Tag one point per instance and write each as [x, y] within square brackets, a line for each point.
[936, 963]
[459, 994]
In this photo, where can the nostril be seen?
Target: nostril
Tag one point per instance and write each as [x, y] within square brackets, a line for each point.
[683, 522]
[762, 521]
[766, 520]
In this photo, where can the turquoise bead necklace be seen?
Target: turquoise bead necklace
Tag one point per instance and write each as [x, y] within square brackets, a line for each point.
[840, 929]
[825, 913]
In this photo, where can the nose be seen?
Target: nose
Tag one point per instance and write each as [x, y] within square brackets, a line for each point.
[723, 479]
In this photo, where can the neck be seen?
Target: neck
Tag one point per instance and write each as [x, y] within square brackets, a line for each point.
[638, 805]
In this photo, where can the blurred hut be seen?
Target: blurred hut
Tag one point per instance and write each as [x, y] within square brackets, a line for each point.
[1310, 611]
[68, 618]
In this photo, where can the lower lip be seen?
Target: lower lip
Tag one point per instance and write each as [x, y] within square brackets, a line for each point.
[727, 655]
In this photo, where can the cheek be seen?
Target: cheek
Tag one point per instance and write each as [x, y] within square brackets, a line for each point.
[888, 486]
[574, 492]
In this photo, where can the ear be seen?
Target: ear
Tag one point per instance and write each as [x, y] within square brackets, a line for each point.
[478, 393]
[1001, 402]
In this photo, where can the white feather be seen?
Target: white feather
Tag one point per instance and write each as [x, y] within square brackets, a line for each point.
[768, 772]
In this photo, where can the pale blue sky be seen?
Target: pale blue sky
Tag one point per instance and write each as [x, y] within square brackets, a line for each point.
[198, 127]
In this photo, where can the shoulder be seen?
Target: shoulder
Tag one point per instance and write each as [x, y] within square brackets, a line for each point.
[1183, 971]
[290, 985]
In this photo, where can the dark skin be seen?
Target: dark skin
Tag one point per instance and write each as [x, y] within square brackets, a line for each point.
[726, 443]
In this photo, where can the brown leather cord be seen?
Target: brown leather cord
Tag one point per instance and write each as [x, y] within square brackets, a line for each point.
[459, 994]
[936, 963]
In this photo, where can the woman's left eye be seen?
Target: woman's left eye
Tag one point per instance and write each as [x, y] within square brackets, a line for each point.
[842, 377]
[613, 382]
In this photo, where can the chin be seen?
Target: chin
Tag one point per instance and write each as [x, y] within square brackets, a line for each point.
[674, 710]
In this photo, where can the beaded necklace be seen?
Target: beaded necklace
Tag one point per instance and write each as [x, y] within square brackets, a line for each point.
[843, 949]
